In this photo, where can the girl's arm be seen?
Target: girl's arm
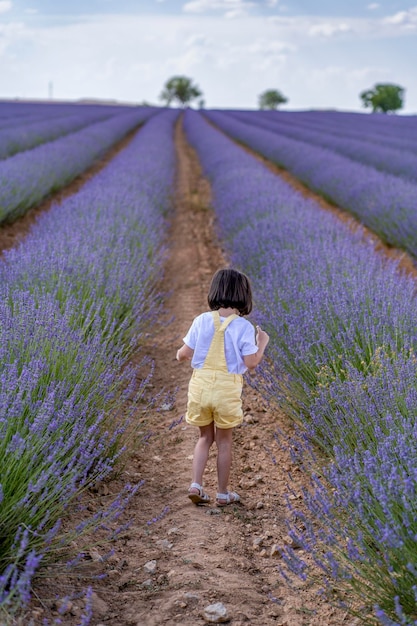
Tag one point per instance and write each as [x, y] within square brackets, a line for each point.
[184, 353]
[262, 339]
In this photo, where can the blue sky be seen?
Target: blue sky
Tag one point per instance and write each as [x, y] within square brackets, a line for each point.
[319, 53]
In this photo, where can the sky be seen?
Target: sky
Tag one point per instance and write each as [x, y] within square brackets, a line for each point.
[320, 54]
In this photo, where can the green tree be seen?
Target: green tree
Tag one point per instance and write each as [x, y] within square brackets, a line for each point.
[271, 99]
[383, 98]
[181, 89]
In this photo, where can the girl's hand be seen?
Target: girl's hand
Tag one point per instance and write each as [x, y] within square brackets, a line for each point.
[184, 354]
[262, 338]
[251, 361]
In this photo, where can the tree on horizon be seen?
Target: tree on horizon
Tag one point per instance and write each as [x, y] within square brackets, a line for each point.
[181, 89]
[271, 99]
[384, 97]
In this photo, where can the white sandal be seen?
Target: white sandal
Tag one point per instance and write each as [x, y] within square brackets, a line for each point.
[231, 497]
[198, 498]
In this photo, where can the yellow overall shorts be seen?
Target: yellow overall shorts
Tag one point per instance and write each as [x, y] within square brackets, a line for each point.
[213, 393]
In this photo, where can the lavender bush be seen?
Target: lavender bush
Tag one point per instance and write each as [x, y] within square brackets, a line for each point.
[389, 131]
[17, 114]
[362, 506]
[76, 297]
[342, 362]
[27, 136]
[383, 202]
[11, 116]
[26, 178]
[384, 158]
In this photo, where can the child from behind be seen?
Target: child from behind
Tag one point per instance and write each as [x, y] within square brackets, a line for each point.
[221, 345]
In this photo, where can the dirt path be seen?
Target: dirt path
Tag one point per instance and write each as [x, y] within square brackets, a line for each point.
[176, 559]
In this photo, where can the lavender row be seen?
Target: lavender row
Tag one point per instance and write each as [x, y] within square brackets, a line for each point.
[383, 202]
[27, 178]
[342, 362]
[16, 121]
[386, 159]
[76, 297]
[377, 130]
[15, 114]
[18, 117]
[27, 136]
[388, 127]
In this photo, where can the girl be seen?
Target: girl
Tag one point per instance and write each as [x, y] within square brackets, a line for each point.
[221, 345]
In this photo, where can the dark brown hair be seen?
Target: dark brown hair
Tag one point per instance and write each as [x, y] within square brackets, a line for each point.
[230, 288]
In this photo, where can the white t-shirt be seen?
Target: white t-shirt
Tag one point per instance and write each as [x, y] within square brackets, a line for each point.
[239, 341]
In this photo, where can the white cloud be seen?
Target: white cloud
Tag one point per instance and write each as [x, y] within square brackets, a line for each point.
[298, 28]
[328, 29]
[11, 35]
[373, 6]
[231, 8]
[198, 40]
[230, 15]
[334, 75]
[5, 5]
[406, 19]
[368, 73]
[265, 46]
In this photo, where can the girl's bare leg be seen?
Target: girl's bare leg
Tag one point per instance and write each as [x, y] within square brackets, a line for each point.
[201, 452]
[224, 437]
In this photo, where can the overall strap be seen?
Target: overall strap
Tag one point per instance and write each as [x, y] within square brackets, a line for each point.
[225, 323]
[216, 358]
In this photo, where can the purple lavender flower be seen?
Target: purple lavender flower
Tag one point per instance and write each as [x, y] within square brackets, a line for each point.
[27, 177]
[394, 159]
[382, 201]
[157, 518]
[35, 131]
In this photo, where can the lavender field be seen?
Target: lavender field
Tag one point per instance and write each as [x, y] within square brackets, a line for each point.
[381, 200]
[29, 176]
[80, 293]
[399, 159]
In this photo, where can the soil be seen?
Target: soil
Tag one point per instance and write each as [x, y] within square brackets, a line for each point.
[176, 558]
